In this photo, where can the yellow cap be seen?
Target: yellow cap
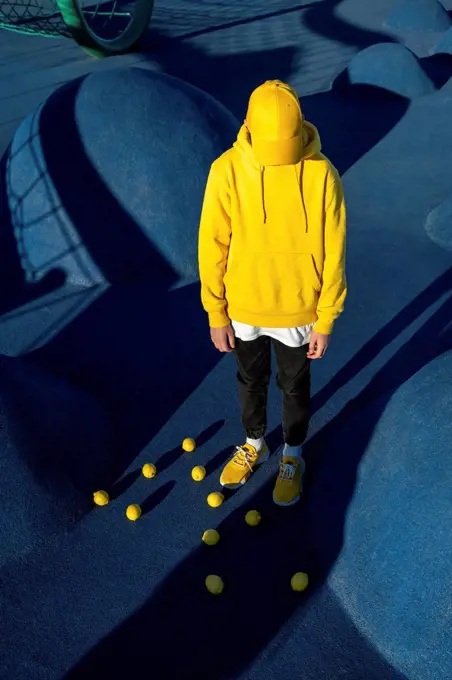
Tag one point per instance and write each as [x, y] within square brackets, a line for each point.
[275, 123]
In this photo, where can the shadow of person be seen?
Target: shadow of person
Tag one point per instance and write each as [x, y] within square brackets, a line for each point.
[257, 563]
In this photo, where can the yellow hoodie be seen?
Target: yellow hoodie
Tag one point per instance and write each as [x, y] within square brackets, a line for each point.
[272, 237]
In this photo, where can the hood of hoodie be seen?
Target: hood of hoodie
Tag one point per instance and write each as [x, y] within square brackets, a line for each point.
[311, 147]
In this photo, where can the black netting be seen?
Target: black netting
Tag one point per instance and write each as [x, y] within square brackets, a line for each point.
[40, 17]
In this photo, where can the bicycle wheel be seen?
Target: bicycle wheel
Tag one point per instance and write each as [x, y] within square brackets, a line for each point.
[106, 28]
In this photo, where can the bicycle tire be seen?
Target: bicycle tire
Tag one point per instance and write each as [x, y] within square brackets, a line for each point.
[81, 31]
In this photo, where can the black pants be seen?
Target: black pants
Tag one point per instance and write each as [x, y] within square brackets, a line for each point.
[293, 379]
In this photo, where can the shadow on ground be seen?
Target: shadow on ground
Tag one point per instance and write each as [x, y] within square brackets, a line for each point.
[114, 350]
[121, 349]
[15, 291]
[257, 564]
[342, 114]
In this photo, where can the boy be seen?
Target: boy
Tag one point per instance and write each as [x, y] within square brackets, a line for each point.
[271, 256]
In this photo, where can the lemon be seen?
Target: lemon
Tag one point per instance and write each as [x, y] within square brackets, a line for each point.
[101, 497]
[214, 584]
[149, 470]
[189, 445]
[198, 473]
[133, 512]
[215, 499]
[211, 537]
[252, 518]
[299, 581]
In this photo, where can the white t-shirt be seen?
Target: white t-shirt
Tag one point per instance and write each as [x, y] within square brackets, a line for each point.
[292, 337]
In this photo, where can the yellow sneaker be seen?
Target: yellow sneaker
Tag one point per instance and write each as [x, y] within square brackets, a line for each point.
[238, 470]
[287, 489]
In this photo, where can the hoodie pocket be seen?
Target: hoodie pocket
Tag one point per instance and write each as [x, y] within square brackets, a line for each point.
[315, 275]
[299, 277]
[273, 283]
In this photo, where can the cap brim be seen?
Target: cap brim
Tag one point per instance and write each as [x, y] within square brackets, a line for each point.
[277, 152]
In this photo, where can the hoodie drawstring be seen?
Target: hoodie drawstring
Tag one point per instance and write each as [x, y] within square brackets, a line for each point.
[298, 170]
[263, 193]
[298, 176]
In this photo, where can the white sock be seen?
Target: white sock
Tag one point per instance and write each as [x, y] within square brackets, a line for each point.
[292, 451]
[257, 443]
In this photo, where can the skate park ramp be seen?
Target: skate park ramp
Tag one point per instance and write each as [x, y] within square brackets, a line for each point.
[421, 15]
[106, 361]
[444, 45]
[439, 225]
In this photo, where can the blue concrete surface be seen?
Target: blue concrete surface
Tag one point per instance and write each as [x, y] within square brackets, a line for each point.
[444, 44]
[391, 67]
[396, 537]
[60, 179]
[420, 15]
[103, 597]
[46, 427]
[439, 225]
